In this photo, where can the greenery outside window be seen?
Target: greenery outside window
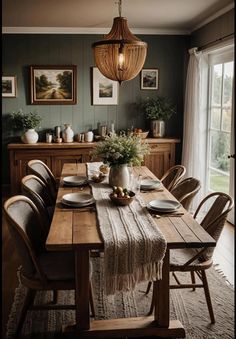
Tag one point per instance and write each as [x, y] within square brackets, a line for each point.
[220, 115]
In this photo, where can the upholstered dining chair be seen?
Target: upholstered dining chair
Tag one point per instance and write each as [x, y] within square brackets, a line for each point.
[197, 261]
[34, 188]
[40, 169]
[185, 190]
[173, 176]
[41, 269]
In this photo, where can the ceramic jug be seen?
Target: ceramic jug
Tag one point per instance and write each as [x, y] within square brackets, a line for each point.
[68, 133]
[89, 136]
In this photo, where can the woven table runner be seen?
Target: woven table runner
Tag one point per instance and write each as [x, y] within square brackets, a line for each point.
[134, 247]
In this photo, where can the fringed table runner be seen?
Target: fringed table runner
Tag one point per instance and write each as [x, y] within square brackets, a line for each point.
[134, 247]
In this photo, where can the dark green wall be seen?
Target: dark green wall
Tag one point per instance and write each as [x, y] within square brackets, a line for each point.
[167, 53]
[214, 31]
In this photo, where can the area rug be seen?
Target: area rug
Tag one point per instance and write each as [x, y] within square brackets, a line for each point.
[186, 305]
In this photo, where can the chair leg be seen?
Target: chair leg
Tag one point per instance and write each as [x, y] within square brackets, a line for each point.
[193, 279]
[148, 287]
[55, 296]
[152, 302]
[29, 300]
[208, 297]
[91, 300]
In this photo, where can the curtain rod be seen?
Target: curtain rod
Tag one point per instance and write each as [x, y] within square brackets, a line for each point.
[212, 43]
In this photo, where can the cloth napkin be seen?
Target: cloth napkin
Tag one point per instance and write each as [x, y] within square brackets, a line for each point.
[134, 247]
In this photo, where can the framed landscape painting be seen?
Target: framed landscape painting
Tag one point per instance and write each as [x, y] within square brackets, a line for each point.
[149, 78]
[8, 86]
[53, 85]
[105, 91]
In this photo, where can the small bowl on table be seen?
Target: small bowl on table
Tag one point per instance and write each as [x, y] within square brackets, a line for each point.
[122, 201]
[97, 178]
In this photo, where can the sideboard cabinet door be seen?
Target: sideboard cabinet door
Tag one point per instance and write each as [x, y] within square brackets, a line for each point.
[161, 158]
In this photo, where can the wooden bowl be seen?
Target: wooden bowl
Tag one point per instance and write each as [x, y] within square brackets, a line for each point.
[122, 201]
[141, 135]
[98, 178]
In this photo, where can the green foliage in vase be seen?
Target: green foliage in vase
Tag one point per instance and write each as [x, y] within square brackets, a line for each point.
[158, 108]
[23, 121]
[117, 150]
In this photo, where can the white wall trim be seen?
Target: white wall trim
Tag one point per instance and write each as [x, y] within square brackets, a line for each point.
[87, 30]
[214, 16]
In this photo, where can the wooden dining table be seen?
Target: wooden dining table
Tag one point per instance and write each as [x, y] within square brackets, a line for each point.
[78, 230]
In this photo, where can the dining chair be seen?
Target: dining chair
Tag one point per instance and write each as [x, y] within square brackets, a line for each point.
[197, 261]
[172, 176]
[34, 188]
[41, 269]
[185, 190]
[40, 169]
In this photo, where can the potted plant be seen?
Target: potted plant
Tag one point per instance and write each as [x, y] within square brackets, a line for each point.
[26, 123]
[119, 151]
[158, 110]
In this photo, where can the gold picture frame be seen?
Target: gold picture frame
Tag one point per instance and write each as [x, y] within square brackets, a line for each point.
[53, 85]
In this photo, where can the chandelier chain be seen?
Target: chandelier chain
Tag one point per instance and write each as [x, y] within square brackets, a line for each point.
[119, 3]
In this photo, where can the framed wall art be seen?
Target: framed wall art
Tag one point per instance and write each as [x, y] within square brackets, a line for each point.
[149, 78]
[53, 85]
[8, 86]
[105, 91]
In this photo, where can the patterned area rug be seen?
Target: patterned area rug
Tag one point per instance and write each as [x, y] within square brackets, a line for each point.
[186, 305]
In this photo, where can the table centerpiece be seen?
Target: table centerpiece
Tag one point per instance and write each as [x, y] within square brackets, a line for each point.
[119, 152]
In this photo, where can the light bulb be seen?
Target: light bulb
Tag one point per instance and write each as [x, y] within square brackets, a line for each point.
[121, 58]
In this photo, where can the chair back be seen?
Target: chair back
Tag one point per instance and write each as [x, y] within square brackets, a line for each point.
[173, 176]
[218, 205]
[184, 191]
[40, 169]
[26, 229]
[34, 188]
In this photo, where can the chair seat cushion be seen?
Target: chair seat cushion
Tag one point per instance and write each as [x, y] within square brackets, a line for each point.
[179, 257]
[58, 265]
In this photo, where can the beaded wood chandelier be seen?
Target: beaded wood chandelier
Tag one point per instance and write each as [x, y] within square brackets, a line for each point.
[120, 56]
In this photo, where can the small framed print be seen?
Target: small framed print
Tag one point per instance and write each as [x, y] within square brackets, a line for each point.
[149, 78]
[105, 91]
[53, 85]
[8, 86]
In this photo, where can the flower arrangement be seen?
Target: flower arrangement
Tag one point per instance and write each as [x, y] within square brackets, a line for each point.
[117, 150]
[23, 121]
[159, 108]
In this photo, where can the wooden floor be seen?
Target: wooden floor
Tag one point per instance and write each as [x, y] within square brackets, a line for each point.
[223, 256]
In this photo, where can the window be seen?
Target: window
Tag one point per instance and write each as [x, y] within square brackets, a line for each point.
[220, 121]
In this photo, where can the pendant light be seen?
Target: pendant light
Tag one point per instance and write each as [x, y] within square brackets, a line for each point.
[120, 56]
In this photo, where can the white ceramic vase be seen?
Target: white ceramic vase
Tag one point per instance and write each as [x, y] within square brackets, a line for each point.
[68, 134]
[119, 176]
[30, 136]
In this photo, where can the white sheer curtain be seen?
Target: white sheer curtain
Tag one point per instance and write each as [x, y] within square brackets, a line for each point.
[195, 121]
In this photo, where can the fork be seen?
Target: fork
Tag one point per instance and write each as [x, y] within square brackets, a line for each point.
[158, 216]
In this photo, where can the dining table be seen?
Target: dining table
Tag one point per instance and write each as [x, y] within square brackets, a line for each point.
[77, 229]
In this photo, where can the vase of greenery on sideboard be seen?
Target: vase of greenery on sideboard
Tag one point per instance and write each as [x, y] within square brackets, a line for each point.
[26, 124]
[158, 110]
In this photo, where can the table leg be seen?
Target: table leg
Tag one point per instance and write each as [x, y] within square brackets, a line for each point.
[162, 294]
[82, 289]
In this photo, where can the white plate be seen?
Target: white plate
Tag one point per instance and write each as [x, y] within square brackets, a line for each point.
[75, 180]
[78, 204]
[164, 205]
[77, 198]
[149, 184]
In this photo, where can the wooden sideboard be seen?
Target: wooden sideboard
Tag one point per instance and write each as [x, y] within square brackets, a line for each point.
[160, 159]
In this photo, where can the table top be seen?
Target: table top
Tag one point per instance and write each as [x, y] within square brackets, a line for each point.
[72, 227]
